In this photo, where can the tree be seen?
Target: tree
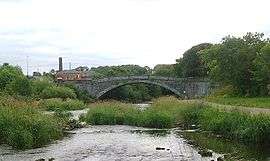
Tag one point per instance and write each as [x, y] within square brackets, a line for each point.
[192, 64]
[9, 73]
[178, 67]
[165, 70]
[233, 62]
[261, 71]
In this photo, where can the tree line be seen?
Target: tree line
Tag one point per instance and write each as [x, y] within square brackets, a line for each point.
[241, 64]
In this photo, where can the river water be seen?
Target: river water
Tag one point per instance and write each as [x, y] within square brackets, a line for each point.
[117, 143]
[112, 143]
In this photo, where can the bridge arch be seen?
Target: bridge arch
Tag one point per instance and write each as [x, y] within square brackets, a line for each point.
[102, 93]
[182, 87]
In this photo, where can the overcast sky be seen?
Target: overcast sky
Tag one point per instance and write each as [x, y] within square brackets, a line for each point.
[114, 32]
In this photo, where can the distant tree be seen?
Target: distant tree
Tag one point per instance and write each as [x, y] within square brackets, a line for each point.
[178, 67]
[165, 70]
[192, 64]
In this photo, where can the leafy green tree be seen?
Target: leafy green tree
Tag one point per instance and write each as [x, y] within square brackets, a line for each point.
[178, 67]
[165, 70]
[192, 64]
[8, 73]
[261, 71]
[233, 62]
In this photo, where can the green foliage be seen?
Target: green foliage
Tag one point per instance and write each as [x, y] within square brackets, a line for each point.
[39, 85]
[57, 92]
[111, 113]
[24, 128]
[55, 104]
[165, 70]
[237, 126]
[82, 95]
[240, 62]
[20, 86]
[9, 73]
[192, 64]
[168, 112]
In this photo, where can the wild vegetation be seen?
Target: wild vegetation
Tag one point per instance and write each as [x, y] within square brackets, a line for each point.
[169, 112]
[117, 113]
[23, 126]
[58, 104]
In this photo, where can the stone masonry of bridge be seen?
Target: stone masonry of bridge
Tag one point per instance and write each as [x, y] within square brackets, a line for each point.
[182, 87]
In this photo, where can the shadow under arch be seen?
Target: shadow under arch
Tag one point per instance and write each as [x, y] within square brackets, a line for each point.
[138, 82]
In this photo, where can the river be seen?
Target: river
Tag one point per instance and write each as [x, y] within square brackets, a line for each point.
[120, 143]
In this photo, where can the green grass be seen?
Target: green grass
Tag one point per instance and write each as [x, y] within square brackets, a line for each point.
[169, 112]
[26, 127]
[259, 102]
[59, 104]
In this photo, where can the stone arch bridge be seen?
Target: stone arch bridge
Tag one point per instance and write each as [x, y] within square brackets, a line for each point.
[182, 87]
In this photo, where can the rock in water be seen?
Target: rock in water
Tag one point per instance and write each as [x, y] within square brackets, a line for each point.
[159, 148]
[205, 153]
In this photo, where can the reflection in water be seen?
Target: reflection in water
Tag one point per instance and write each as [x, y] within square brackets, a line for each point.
[103, 143]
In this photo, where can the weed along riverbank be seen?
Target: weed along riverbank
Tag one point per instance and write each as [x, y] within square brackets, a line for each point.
[167, 129]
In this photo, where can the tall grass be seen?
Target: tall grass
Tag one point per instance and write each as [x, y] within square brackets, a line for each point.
[26, 127]
[236, 125]
[169, 112]
[58, 104]
[111, 113]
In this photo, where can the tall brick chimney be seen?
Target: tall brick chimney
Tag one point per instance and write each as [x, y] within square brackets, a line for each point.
[60, 64]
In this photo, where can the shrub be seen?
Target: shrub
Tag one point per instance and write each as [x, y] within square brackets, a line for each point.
[9, 73]
[26, 127]
[82, 95]
[40, 84]
[57, 92]
[20, 86]
[58, 104]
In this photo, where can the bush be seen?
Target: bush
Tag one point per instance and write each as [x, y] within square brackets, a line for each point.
[55, 104]
[25, 127]
[20, 86]
[82, 95]
[39, 85]
[9, 73]
[57, 92]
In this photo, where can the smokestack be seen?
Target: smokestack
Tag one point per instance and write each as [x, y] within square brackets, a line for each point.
[60, 64]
